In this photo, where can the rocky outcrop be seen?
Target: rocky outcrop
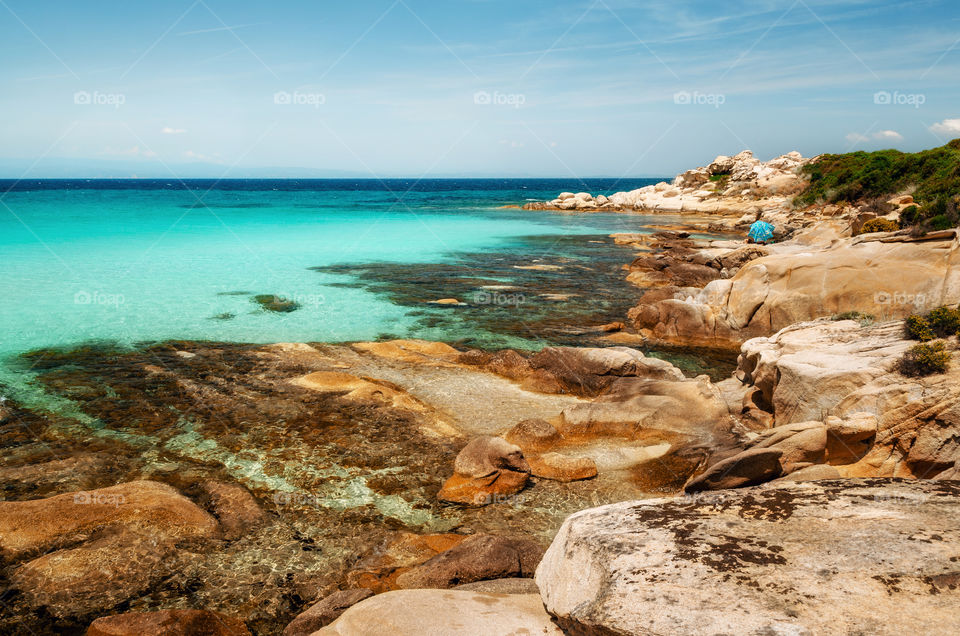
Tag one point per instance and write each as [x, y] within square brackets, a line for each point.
[168, 623]
[737, 184]
[799, 282]
[835, 398]
[444, 613]
[486, 468]
[863, 556]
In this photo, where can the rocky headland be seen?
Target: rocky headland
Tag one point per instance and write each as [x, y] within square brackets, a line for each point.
[414, 487]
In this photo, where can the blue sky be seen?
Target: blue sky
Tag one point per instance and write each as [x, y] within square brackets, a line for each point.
[466, 87]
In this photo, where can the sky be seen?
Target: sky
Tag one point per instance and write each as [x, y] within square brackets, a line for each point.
[515, 88]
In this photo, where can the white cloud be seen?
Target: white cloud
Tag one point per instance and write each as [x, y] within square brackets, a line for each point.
[889, 135]
[167, 130]
[947, 127]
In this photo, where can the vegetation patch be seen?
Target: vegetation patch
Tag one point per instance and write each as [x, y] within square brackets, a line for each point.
[880, 225]
[925, 359]
[942, 322]
[862, 318]
[933, 174]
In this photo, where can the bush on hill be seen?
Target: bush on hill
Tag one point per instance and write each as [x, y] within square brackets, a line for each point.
[933, 174]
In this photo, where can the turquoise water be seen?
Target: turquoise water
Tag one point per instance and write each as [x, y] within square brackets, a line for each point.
[130, 262]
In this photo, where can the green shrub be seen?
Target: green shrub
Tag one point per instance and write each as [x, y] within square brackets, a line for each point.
[879, 225]
[861, 176]
[918, 328]
[862, 318]
[944, 321]
[941, 222]
[909, 216]
[925, 359]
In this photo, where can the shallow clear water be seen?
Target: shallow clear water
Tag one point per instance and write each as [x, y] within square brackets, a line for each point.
[133, 261]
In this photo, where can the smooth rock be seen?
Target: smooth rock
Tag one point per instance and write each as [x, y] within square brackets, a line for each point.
[827, 557]
[444, 613]
[533, 434]
[561, 467]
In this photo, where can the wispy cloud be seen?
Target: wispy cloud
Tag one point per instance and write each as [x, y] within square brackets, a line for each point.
[881, 135]
[947, 127]
[167, 130]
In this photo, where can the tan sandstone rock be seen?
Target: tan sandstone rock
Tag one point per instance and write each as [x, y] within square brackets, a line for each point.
[444, 613]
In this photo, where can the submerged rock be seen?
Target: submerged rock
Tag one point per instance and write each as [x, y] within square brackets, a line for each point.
[279, 304]
[477, 558]
[168, 623]
[99, 547]
[829, 557]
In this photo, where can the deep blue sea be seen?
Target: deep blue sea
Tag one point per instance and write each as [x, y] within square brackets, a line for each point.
[131, 261]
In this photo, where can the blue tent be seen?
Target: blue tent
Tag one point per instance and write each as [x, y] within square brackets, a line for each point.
[761, 232]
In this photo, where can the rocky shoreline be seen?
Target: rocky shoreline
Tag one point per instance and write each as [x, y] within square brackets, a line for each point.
[410, 487]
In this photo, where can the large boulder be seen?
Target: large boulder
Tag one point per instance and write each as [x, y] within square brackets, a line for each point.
[827, 557]
[444, 613]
